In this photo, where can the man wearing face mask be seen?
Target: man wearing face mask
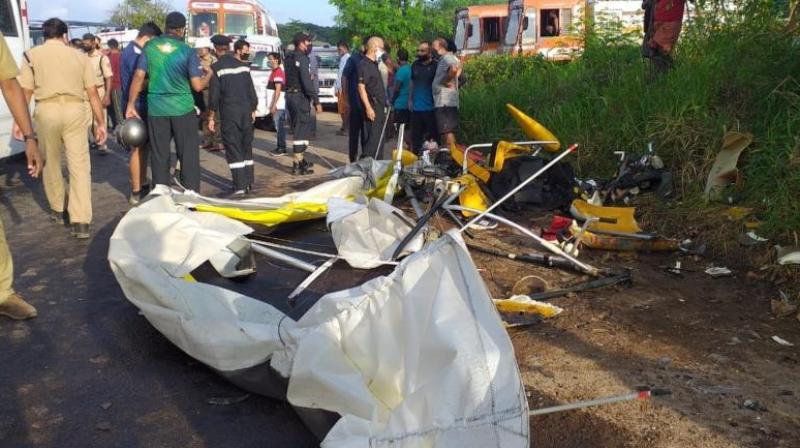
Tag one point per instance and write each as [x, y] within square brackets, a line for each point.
[232, 97]
[372, 92]
[104, 76]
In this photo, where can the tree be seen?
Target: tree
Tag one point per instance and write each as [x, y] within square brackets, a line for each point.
[135, 13]
[402, 23]
[321, 33]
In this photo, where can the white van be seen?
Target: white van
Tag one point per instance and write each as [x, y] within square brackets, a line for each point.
[14, 26]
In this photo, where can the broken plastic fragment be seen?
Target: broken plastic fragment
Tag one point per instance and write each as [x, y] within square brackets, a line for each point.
[782, 341]
[526, 305]
[719, 272]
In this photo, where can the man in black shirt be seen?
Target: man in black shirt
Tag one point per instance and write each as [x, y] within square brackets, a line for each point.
[372, 92]
[300, 92]
[232, 96]
[423, 122]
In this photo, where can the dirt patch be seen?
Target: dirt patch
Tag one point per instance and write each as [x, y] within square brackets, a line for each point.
[707, 340]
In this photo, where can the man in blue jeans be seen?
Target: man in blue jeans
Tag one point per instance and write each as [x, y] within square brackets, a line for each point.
[278, 105]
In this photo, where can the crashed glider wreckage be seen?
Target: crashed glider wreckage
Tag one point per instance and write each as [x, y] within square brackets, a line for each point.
[414, 355]
[418, 357]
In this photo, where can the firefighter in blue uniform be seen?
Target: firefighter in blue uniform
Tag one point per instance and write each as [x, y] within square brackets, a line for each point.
[300, 93]
[232, 105]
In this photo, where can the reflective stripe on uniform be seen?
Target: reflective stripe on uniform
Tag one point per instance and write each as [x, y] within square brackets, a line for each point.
[237, 165]
[300, 143]
[233, 71]
[248, 163]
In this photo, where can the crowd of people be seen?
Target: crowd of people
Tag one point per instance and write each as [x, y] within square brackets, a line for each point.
[173, 92]
[374, 89]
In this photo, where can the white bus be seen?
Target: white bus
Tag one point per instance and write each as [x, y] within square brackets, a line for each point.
[14, 26]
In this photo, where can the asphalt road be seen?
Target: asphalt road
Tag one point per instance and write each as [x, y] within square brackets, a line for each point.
[90, 371]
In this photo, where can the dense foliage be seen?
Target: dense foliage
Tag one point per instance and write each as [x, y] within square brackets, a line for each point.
[135, 13]
[321, 33]
[403, 23]
[734, 70]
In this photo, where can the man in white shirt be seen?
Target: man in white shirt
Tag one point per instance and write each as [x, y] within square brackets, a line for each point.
[341, 91]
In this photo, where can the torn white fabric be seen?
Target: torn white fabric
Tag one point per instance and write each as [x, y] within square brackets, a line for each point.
[418, 358]
[151, 251]
[367, 235]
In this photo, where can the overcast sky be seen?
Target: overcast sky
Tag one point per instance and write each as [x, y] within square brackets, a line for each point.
[319, 12]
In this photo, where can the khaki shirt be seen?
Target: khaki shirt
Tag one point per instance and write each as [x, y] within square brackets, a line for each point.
[102, 68]
[8, 68]
[53, 69]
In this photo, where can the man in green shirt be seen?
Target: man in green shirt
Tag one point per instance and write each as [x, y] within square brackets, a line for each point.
[173, 70]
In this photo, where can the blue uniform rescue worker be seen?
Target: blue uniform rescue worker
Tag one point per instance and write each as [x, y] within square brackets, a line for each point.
[232, 100]
[300, 92]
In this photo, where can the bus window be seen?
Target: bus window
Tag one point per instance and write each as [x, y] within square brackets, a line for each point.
[239, 24]
[7, 23]
[549, 25]
[204, 24]
[260, 61]
[491, 30]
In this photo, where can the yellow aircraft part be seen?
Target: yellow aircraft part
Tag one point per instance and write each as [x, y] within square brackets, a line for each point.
[380, 185]
[292, 212]
[478, 171]
[507, 150]
[533, 129]
[624, 217]
[407, 158]
[472, 197]
[524, 304]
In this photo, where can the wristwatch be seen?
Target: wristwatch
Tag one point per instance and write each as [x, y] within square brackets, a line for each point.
[29, 137]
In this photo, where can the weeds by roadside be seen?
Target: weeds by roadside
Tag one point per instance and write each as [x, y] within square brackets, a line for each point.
[740, 73]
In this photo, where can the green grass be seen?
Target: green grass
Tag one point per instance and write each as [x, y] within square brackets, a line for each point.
[737, 75]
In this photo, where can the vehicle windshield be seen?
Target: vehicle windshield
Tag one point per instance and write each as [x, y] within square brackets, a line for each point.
[328, 61]
[239, 24]
[204, 24]
[260, 61]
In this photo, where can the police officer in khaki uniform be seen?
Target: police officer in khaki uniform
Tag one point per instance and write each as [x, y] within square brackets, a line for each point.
[11, 304]
[61, 79]
[212, 140]
[104, 77]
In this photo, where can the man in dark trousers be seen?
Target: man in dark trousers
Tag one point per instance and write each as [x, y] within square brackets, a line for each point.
[174, 70]
[355, 110]
[232, 98]
[372, 92]
[300, 93]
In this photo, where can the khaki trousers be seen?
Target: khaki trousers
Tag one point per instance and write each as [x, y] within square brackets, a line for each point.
[6, 267]
[61, 124]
